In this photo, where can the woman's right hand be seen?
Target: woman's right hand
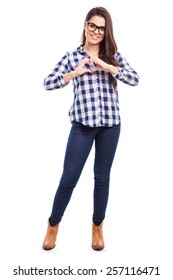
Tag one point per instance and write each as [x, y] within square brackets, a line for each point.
[81, 69]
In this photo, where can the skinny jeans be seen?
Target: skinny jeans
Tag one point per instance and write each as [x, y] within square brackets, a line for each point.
[80, 142]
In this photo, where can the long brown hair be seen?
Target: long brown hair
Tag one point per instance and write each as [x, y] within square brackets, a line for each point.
[108, 46]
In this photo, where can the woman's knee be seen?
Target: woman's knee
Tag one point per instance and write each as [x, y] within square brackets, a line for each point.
[101, 178]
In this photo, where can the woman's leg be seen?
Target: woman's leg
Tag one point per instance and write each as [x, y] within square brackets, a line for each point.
[78, 148]
[105, 147]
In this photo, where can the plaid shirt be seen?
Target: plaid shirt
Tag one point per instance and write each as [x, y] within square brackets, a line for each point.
[95, 98]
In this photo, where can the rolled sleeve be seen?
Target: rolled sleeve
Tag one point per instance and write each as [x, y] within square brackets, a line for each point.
[126, 73]
[55, 79]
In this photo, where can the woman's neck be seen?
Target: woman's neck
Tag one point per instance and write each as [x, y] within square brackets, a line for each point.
[92, 50]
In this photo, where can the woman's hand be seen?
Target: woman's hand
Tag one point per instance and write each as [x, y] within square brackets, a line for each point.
[81, 68]
[101, 65]
[94, 64]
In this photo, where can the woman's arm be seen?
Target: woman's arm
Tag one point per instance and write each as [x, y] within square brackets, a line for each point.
[126, 73]
[55, 79]
[62, 73]
[123, 72]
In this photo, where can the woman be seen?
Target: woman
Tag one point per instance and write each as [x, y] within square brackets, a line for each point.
[94, 67]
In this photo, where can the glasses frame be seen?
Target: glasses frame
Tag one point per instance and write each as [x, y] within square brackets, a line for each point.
[96, 27]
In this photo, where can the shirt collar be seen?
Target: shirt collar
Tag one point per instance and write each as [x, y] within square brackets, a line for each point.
[81, 50]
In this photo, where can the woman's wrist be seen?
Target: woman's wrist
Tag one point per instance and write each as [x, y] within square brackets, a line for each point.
[113, 69]
[68, 76]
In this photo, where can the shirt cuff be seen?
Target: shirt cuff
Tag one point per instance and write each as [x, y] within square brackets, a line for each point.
[119, 75]
[63, 83]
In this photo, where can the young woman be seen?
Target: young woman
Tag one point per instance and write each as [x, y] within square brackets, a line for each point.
[94, 68]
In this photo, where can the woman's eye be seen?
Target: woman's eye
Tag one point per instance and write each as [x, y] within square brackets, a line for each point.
[92, 25]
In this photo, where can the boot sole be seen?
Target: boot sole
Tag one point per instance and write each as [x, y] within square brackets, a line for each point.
[97, 248]
[48, 249]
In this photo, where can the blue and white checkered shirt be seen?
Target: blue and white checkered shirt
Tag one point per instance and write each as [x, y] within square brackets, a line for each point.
[95, 98]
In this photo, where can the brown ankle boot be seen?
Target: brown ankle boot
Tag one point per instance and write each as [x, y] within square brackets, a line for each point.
[50, 238]
[97, 237]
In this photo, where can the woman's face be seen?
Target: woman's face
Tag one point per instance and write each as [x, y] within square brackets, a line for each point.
[94, 30]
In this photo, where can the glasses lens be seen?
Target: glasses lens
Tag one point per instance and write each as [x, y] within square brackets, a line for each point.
[101, 30]
[92, 27]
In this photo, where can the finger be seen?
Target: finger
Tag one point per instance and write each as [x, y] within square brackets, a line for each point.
[85, 60]
[98, 68]
[91, 60]
[86, 71]
[82, 62]
[94, 59]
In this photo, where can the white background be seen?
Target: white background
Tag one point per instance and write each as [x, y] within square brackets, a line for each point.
[35, 126]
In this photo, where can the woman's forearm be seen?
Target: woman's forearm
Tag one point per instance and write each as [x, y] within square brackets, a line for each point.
[68, 76]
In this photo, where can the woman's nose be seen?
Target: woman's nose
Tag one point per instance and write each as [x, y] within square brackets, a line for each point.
[96, 31]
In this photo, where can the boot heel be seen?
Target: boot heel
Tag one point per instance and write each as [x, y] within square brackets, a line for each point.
[97, 237]
[50, 238]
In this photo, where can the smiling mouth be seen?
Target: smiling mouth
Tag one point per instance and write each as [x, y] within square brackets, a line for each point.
[95, 37]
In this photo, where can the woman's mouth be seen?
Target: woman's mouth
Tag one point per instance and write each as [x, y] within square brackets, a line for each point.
[94, 37]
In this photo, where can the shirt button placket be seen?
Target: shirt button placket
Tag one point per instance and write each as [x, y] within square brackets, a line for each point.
[99, 100]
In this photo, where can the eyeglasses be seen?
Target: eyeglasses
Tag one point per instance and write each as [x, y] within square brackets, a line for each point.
[92, 27]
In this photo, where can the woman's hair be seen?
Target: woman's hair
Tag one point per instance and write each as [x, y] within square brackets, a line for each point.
[108, 46]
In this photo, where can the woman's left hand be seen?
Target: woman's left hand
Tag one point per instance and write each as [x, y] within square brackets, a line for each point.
[101, 65]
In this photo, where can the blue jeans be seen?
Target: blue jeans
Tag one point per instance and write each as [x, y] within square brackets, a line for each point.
[80, 141]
